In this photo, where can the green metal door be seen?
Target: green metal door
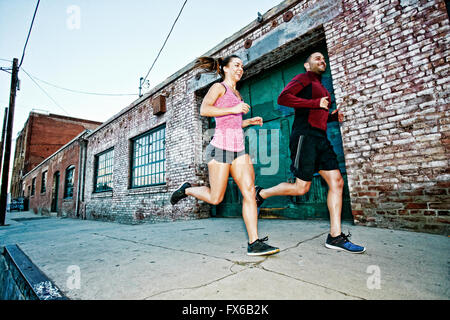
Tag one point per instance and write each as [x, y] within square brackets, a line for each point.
[269, 148]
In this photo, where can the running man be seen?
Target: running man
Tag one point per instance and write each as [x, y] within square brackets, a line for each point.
[310, 149]
[226, 152]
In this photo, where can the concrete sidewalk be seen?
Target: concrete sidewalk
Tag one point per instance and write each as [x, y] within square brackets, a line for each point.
[206, 259]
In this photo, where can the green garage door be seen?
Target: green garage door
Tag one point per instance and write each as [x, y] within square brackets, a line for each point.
[269, 147]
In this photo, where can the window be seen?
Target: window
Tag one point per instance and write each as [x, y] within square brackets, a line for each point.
[149, 159]
[68, 182]
[44, 182]
[33, 186]
[104, 163]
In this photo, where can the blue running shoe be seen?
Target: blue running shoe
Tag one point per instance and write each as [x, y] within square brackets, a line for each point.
[341, 242]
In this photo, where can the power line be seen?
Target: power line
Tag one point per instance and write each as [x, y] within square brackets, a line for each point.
[173, 25]
[82, 92]
[44, 91]
[29, 32]
[5, 69]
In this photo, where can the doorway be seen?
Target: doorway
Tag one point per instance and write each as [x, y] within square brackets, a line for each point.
[261, 93]
[55, 192]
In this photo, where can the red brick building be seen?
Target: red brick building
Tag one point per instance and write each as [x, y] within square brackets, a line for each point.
[42, 135]
[53, 186]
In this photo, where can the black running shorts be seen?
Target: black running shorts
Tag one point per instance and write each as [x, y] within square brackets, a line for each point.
[310, 154]
[221, 155]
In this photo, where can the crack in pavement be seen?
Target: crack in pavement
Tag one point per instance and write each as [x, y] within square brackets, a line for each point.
[312, 283]
[196, 287]
[242, 263]
[245, 264]
[303, 241]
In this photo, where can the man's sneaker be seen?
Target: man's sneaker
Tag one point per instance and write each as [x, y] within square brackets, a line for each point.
[179, 194]
[341, 242]
[259, 248]
[259, 199]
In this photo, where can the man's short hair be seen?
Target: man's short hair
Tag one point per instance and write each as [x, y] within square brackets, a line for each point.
[308, 60]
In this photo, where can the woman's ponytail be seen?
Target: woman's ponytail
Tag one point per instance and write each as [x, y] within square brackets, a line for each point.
[215, 65]
[209, 64]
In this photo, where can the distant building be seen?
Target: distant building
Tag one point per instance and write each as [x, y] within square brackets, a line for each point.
[41, 136]
[55, 186]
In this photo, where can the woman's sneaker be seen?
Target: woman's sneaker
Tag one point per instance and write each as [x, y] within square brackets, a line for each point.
[341, 242]
[179, 194]
[259, 248]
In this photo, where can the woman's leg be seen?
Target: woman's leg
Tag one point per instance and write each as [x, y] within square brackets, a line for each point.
[244, 176]
[218, 178]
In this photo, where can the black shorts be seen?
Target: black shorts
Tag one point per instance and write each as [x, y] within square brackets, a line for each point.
[221, 155]
[310, 154]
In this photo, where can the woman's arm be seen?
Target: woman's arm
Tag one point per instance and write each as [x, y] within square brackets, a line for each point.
[208, 109]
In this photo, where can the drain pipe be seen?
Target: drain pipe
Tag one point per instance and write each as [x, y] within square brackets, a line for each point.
[81, 174]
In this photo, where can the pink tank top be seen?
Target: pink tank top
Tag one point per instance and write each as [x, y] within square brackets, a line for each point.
[228, 134]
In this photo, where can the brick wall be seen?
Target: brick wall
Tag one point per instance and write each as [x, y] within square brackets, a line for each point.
[127, 205]
[41, 202]
[389, 61]
[42, 136]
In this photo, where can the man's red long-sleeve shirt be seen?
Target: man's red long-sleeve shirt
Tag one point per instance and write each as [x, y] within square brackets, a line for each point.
[303, 93]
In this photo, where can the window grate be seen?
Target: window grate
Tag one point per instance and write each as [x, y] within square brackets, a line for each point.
[149, 160]
[68, 186]
[44, 182]
[104, 171]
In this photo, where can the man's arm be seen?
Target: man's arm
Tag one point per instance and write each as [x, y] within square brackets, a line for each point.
[288, 96]
[336, 115]
[332, 117]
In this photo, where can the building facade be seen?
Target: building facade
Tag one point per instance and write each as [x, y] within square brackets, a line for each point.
[387, 71]
[41, 136]
[55, 186]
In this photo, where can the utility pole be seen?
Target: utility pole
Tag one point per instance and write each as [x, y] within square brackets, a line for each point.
[9, 128]
[5, 118]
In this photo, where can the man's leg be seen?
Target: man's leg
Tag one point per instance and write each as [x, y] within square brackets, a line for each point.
[336, 239]
[298, 188]
[302, 151]
[334, 199]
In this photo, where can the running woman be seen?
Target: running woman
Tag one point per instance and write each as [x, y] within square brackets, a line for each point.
[226, 152]
[310, 149]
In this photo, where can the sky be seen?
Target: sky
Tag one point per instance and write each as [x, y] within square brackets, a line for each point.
[104, 46]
